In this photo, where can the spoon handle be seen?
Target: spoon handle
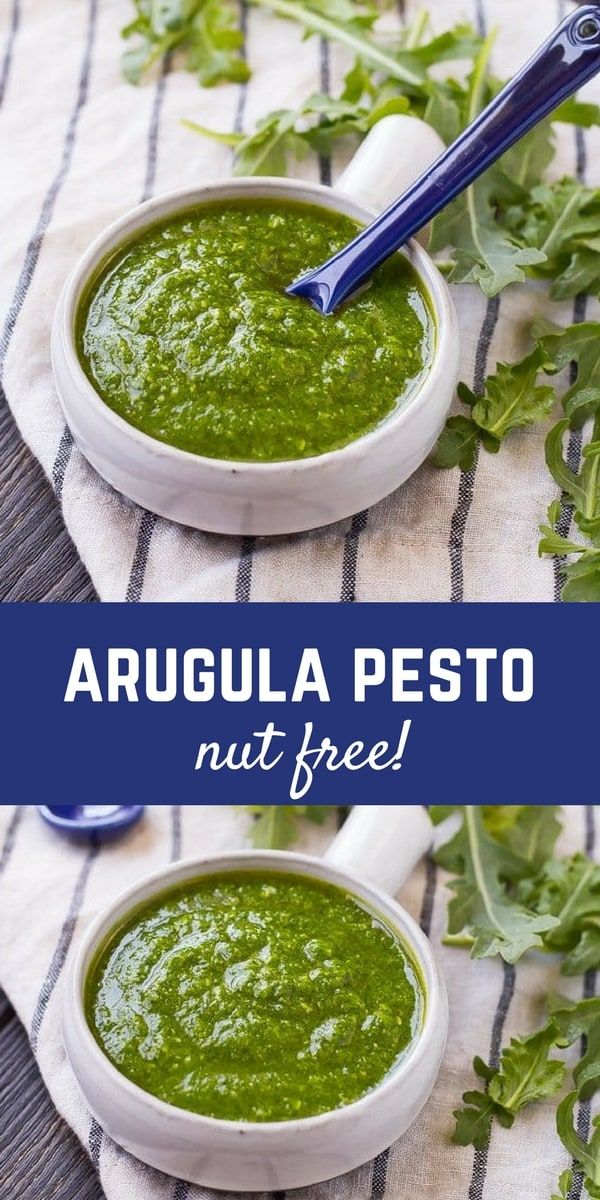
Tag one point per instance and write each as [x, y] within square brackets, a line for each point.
[567, 60]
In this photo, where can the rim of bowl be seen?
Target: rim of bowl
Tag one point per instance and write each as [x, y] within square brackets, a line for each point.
[405, 925]
[167, 204]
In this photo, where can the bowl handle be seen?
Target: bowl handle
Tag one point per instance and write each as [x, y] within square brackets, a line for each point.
[396, 151]
[382, 843]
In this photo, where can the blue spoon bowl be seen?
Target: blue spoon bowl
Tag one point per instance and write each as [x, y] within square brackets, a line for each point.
[82, 820]
[567, 60]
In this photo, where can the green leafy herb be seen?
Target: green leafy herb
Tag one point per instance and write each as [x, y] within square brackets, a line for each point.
[508, 881]
[350, 25]
[576, 347]
[204, 32]
[526, 1073]
[569, 889]
[275, 825]
[504, 228]
[507, 853]
[529, 1070]
[585, 1154]
[582, 579]
[286, 132]
[516, 396]
[582, 488]
[384, 79]
[562, 220]
[513, 399]
[565, 1184]
[205, 35]
[497, 922]
[580, 1019]
[484, 252]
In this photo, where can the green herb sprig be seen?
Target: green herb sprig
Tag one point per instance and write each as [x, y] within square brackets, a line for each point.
[204, 33]
[510, 894]
[386, 77]
[275, 826]
[518, 396]
[495, 921]
[526, 1073]
[506, 873]
[530, 1071]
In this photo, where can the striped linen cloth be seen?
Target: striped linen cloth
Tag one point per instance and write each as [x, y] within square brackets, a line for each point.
[78, 147]
[61, 887]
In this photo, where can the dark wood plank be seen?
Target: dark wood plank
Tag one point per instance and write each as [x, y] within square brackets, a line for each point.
[6, 1012]
[38, 560]
[40, 1157]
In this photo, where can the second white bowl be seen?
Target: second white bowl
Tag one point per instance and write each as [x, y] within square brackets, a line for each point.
[243, 1155]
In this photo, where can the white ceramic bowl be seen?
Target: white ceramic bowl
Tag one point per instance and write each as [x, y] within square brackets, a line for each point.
[283, 497]
[259, 1156]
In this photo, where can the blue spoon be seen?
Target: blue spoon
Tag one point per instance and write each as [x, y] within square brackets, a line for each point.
[81, 820]
[567, 60]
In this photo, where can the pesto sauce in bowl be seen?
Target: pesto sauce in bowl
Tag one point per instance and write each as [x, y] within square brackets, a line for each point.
[186, 332]
[254, 996]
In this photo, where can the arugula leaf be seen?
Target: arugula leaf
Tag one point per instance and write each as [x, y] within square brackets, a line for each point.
[498, 229]
[554, 543]
[350, 27]
[457, 444]
[586, 1155]
[583, 580]
[525, 164]
[497, 923]
[580, 1019]
[512, 399]
[582, 489]
[215, 50]
[205, 32]
[529, 830]
[585, 955]
[484, 251]
[562, 220]
[462, 41]
[526, 1073]
[275, 825]
[577, 112]
[577, 347]
[565, 1183]
[294, 131]
[474, 1120]
[504, 854]
[569, 889]
[496, 232]
[369, 94]
[265, 152]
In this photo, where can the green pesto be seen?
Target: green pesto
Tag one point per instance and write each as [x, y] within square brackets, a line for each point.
[254, 996]
[187, 333]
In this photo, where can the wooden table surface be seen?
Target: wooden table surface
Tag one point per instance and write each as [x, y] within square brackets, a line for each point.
[40, 1157]
[38, 560]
